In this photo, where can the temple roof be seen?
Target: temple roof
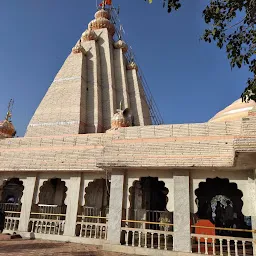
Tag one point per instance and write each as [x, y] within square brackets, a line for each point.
[165, 146]
[236, 111]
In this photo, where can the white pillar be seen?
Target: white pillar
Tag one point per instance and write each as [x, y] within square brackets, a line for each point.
[73, 186]
[115, 206]
[181, 216]
[27, 199]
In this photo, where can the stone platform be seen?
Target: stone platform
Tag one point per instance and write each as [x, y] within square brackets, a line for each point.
[22, 247]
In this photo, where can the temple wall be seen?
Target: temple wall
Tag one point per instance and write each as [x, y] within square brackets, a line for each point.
[136, 104]
[93, 115]
[166, 146]
[122, 93]
[107, 76]
[145, 108]
[59, 111]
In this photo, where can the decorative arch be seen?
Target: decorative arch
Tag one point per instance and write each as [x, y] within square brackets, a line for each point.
[53, 192]
[220, 201]
[148, 201]
[12, 191]
[97, 195]
[148, 193]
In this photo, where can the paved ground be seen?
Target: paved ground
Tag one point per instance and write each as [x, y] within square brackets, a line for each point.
[21, 247]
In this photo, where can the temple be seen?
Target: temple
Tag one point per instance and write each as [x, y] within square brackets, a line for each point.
[98, 166]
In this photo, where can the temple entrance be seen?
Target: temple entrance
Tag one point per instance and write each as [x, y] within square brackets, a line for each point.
[12, 191]
[220, 201]
[148, 200]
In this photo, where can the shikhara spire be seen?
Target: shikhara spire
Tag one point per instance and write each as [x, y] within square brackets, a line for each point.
[88, 89]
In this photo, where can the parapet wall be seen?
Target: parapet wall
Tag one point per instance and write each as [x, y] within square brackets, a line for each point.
[163, 146]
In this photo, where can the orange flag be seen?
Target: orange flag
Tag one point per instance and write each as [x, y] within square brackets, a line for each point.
[107, 2]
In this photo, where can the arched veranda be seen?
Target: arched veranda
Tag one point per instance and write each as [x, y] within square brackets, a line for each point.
[48, 215]
[220, 201]
[148, 201]
[92, 216]
[11, 193]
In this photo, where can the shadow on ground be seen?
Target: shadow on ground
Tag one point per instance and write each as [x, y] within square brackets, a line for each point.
[13, 246]
[41, 248]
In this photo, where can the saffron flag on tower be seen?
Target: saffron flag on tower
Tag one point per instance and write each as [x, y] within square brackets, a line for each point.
[106, 2]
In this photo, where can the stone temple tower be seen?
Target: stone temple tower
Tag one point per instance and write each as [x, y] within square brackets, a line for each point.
[96, 78]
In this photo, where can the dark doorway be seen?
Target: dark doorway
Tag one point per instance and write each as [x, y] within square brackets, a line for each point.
[220, 201]
[12, 191]
[148, 200]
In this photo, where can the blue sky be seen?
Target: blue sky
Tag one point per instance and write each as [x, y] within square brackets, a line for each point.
[190, 80]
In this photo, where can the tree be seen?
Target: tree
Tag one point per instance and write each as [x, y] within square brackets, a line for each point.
[237, 36]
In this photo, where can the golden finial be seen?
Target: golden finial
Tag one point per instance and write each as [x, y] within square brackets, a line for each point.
[9, 112]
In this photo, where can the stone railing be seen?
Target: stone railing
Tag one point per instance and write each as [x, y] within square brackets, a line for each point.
[221, 245]
[12, 217]
[147, 238]
[92, 212]
[92, 226]
[14, 207]
[53, 224]
[141, 216]
[11, 223]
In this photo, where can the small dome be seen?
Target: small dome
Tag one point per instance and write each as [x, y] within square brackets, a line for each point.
[121, 119]
[102, 14]
[236, 111]
[7, 129]
[89, 35]
[120, 44]
[102, 23]
[132, 65]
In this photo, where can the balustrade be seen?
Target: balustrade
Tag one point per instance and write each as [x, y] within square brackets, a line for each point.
[47, 219]
[222, 245]
[92, 226]
[12, 215]
[47, 226]
[148, 238]
[11, 223]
